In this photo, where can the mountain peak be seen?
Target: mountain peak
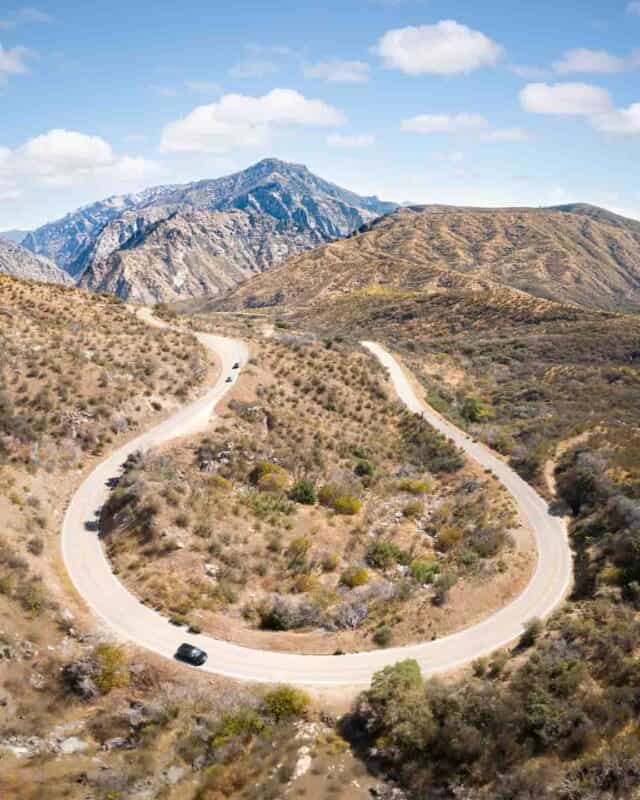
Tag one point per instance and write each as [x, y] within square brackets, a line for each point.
[276, 164]
[171, 242]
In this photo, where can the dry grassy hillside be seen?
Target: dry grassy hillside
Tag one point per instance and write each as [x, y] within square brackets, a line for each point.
[79, 370]
[567, 257]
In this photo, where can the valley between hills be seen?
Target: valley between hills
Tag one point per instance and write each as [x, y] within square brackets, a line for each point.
[315, 519]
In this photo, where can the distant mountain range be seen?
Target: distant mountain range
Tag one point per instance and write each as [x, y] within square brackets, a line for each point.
[203, 239]
[179, 241]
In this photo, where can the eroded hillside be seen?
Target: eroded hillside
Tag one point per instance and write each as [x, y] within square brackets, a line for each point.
[567, 257]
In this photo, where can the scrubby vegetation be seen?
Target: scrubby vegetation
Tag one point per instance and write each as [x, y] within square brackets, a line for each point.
[77, 371]
[306, 508]
[522, 728]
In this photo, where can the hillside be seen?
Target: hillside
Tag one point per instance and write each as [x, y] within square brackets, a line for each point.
[286, 209]
[21, 263]
[567, 257]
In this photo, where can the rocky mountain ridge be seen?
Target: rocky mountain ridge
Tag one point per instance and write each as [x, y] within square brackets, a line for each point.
[197, 253]
[300, 206]
[21, 263]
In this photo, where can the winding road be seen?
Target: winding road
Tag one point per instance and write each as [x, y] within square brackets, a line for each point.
[130, 620]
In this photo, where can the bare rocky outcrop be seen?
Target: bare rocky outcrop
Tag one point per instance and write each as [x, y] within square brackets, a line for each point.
[21, 263]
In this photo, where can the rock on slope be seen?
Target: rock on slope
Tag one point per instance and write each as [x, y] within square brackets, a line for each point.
[568, 256]
[21, 263]
[144, 246]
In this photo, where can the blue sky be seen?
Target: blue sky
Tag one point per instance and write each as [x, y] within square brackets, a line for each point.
[491, 103]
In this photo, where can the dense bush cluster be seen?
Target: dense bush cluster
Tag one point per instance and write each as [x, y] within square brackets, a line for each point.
[581, 683]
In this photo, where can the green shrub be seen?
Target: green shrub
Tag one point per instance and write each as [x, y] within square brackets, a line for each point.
[444, 583]
[274, 482]
[304, 492]
[297, 552]
[467, 557]
[532, 630]
[354, 576]
[263, 469]
[339, 498]
[364, 468]
[414, 486]
[475, 410]
[413, 510]
[286, 702]
[347, 505]
[244, 721]
[383, 554]
[480, 666]
[428, 449]
[383, 636]
[449, 537]
[424, 571]
[31, 596]
[112, 668]
[329, 562]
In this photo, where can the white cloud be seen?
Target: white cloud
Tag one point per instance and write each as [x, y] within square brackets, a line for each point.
[447, 48]
[13, 61]
[622, 122]
[445, 123]
[339, 71]
[273, 49]
[634, 8]
[584, 60]
[165, 91]
[529, 73]
[350, 142]
[69, 158]
[582, 99]
[239, 121]
[462, 124]
[30, 14]
[254, 68]
[69, 149]
[569, 99]
[508, 135]
[203, 87]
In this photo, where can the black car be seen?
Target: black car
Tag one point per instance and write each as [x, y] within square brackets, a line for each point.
[191, 654]
[229, 379]
[236, 365]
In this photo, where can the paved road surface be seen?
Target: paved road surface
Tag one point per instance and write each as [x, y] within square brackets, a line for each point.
[130, 620]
